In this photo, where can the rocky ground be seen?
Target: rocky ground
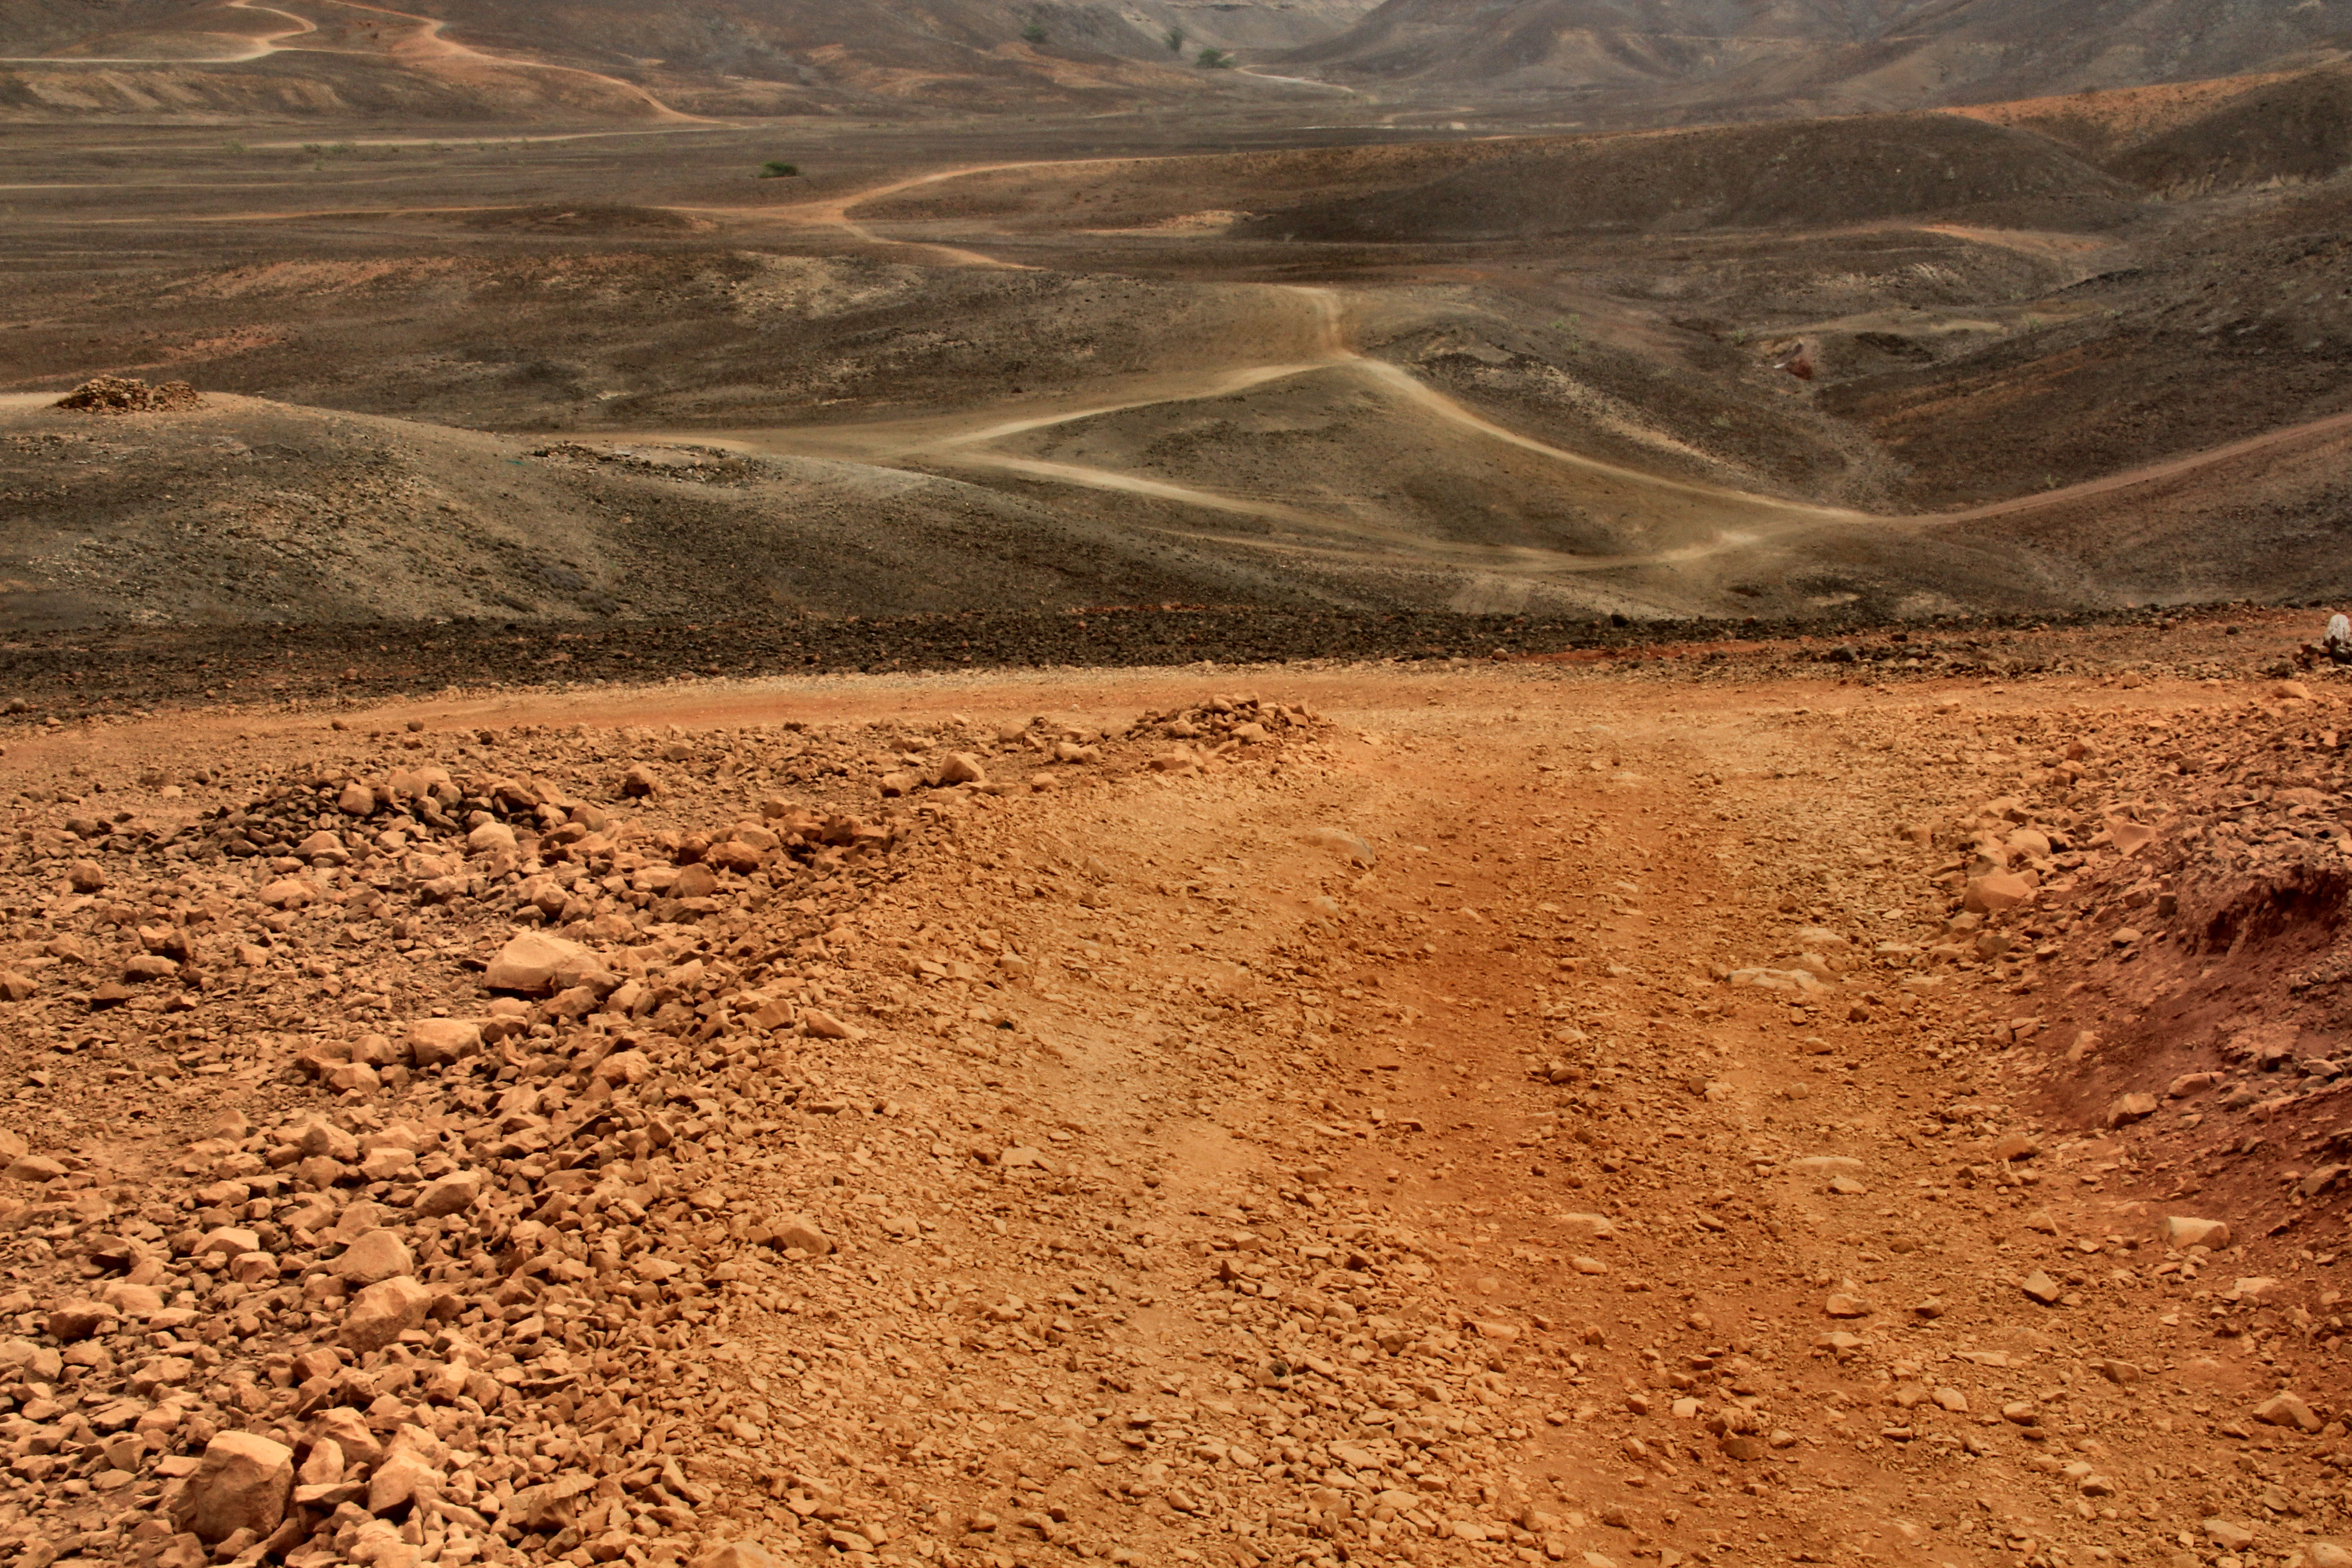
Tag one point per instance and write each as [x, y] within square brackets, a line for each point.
[1843, 1112]
[57, 678]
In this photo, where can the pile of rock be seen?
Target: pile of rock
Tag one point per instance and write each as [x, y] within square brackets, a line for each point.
[418, 1306]
[125, 395]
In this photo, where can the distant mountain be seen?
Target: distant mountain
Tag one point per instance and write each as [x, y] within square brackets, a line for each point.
[1246, 23]
[1980, 50]
[1537, 44]
[1816, 54]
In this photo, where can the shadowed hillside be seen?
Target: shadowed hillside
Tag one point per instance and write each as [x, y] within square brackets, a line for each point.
[2195, 138]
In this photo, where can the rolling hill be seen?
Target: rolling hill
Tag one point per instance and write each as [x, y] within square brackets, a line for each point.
[495, 59]
[1749, 57]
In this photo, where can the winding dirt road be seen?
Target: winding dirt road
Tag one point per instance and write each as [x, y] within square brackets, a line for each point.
[425, 43]
[267, 45]
[1738, 518]
[964, 440]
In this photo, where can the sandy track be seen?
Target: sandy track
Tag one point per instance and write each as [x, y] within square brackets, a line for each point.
[1319, 316]
[430, 42]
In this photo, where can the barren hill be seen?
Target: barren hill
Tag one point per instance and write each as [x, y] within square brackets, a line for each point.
[1589, 44]
[493, 60]
[2193, 137]
[246, 511]
[1769, 56]
[1788, 175]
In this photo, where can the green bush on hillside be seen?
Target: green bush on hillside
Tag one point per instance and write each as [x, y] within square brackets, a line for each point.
[1215, 60]
[772, 169]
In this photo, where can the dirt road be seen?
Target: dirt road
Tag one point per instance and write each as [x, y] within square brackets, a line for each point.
[1332, 1139]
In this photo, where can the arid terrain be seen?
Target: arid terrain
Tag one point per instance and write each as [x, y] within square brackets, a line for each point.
[1297, 346]
[1815, 1111]
[983, 784]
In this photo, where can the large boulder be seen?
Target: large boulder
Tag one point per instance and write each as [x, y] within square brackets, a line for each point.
[35, 1363]
[81, 1319]
[737, 1555]
[550, 1506]
[530, 961]
[322, 1138]
[410, 1472]
[960, 768]
[2182, 1230]
[374, 1257]
[243, 1482]
[437, 1042]
[1997, 893]
[452, 1194]
[349, 1431]
[384, 1312]
[797, 1230]
[538, 965]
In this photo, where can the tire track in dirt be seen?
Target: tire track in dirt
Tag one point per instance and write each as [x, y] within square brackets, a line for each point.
[1359, 1159]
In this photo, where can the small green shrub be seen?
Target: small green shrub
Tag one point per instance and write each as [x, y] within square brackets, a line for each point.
[1215, 60]
[1033, 33]
[1176, 40]
[772, 169]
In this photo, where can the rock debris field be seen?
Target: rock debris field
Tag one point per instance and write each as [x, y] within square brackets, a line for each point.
[1358, 1115]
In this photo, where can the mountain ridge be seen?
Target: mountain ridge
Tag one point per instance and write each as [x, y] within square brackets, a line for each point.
[1798, 56]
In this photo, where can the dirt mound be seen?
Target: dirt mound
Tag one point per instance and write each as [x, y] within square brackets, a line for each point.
[491, 60]
[704, 335]
[254, 513]
[122, 394]
[1579, 45]
[2259, 523]
[2191, 908]
[424, 86]
[1796, 177]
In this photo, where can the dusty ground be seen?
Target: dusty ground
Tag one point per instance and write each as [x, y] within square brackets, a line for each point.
[1915, 364]
[1473, 1114]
